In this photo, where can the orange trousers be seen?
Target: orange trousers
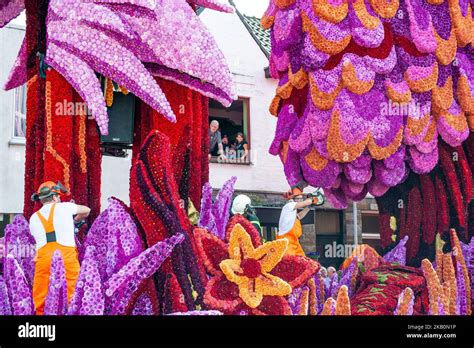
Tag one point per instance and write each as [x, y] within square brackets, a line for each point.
[293, 235]
[44, 257]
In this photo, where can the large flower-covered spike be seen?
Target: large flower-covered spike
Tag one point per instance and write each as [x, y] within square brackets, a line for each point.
[56, 300]
[9, 10]
[214, 216]
[88, 297]
[81, 76]
[188, 49]
[19, 290]
[121, 65]
[115, 236]
[17, 76]
[121, 286]
[399, 253]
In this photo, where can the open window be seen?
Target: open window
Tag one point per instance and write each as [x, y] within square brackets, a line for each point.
[234, 129]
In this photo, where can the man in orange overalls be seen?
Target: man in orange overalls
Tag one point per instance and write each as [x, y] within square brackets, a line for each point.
[290, 220]
[53, 229]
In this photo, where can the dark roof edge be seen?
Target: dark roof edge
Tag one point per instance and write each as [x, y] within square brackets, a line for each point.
[255, 38]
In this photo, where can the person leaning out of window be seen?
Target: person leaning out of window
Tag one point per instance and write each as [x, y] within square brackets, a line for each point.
[215, 140]
[241, 147]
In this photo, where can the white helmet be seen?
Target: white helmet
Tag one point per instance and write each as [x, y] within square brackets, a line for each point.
[240, 203]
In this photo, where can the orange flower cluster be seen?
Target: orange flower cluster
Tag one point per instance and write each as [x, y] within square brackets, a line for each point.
[329, 307]
[433, 284]
[304, 303]
[449, 278]
[406, 298]
[313, 298]
[343, 304]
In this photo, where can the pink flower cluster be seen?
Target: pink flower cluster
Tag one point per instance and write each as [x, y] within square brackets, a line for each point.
[365, 88]
[130, 42]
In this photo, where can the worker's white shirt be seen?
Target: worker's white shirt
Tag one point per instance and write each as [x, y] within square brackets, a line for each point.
[63, 222]
[287, 218]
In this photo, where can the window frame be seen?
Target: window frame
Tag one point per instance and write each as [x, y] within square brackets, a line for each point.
[15, 138]
[246, 126]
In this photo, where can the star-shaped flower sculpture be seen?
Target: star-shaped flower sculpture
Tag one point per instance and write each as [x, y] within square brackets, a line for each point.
[248, 277]
[129, 42]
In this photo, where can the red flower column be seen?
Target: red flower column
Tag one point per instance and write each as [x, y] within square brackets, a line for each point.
[188, 137]
[61, 143]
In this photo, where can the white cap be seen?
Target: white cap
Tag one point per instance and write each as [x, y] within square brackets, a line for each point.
[240, 203]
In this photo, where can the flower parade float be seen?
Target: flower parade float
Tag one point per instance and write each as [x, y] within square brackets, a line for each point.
[335, 61]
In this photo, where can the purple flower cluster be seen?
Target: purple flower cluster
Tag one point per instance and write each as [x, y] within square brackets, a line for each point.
[9, 10]
[461, 302]
[365, 88]
[294, 299]
[470, 266]
[117, 39]
[5, 307]
[19, 290]
[20, 244]
[88, 298]
[143, 306]
[347, 278]
[333, 286]
[214, 216]
[320, 291]
[121, 286]
[399, 253]
[18, 74]
[115, 237]
[56, 300]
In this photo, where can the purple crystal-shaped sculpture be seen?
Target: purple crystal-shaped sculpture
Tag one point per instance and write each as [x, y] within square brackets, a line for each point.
[115, 237]
[399, 253]
[214, 216]
[121, 286]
